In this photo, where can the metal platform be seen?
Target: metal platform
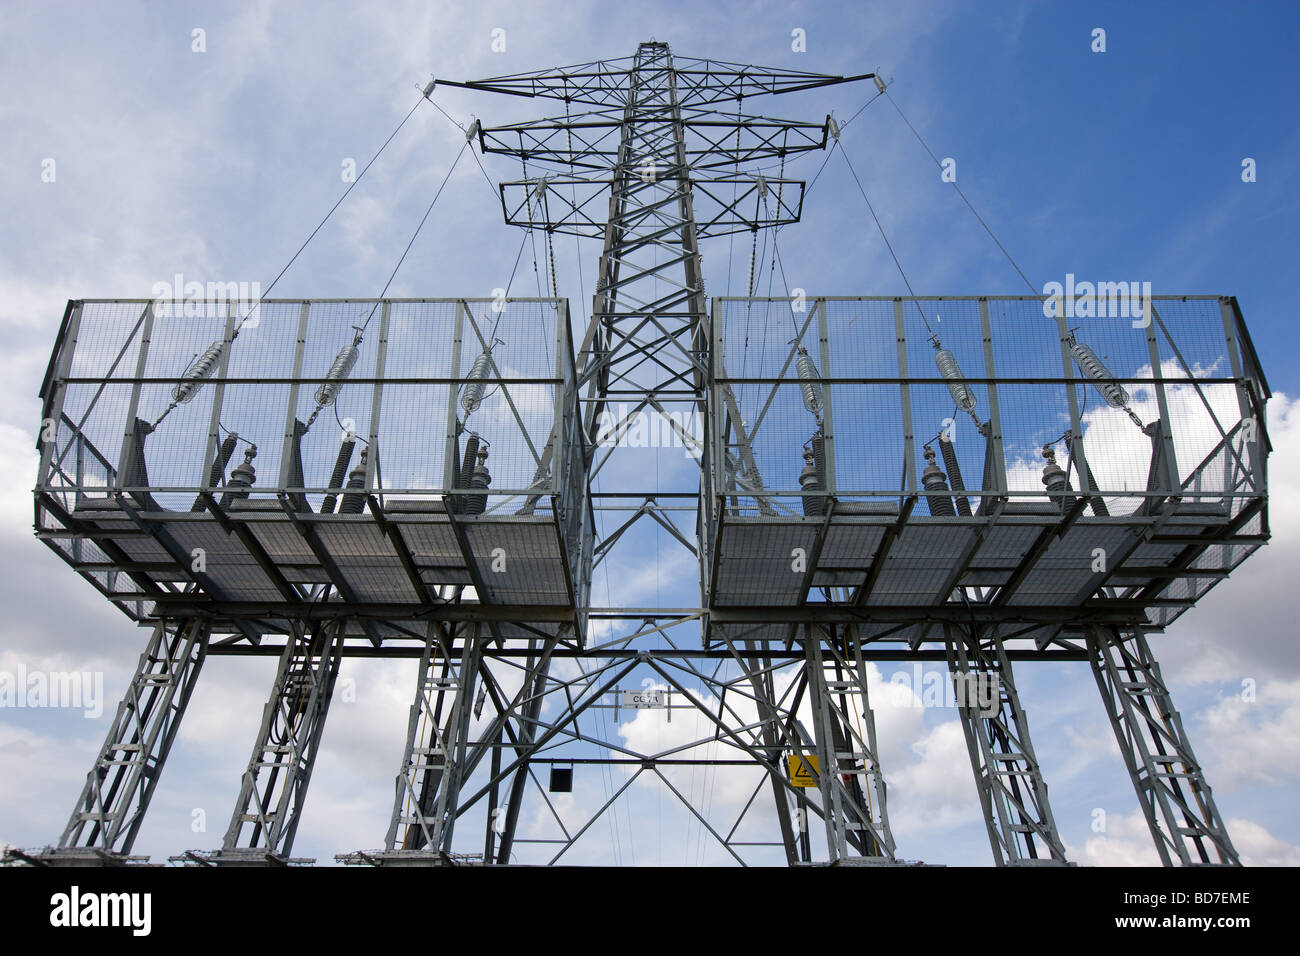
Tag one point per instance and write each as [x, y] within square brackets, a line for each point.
[1128, 537]
[134, 492]
[985, 482]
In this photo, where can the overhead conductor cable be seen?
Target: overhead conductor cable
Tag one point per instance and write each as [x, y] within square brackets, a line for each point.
[347, 356]
[205, 364]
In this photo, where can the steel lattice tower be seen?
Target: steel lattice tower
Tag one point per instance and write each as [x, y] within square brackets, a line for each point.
[646, 346]
[663, 155]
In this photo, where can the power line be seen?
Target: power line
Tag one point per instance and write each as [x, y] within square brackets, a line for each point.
[423, 220]
[888, 244]
[336, 205]
[964, 199]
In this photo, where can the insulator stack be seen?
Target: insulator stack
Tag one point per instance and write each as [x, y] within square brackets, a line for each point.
[955, 481]
[472, 396]
[200, 370]
[935, 480]
[819, 460]
[218, 470]
[241, 479]
[340, 470]
[1054, 478]
[812, 504]
[953, 378]
[354, 499]
[809, 383]
[1090, 365]
[479, 481]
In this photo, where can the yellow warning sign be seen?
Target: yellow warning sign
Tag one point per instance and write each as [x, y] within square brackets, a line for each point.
[803, 770]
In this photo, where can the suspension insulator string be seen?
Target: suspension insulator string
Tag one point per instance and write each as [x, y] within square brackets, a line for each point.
[1089, 364]
[471, 396]
[195, 376]
[809, 383]
[338, 371]
[961, 393]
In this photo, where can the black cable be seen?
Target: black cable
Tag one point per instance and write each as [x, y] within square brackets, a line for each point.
[423, 220]
[448, 115]
[888, 245]
[861, 110]
[451, 119]
[518, 256]
[236, 435]
[820, 168]
[350, 433]
[968, 203]
[336, 205]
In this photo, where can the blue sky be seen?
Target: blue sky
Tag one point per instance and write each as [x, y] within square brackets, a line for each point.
[1122, 165]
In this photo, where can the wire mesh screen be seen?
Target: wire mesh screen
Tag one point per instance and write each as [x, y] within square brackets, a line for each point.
[408, 381]
[1021, 453]
[1129, 405]
[386, 450]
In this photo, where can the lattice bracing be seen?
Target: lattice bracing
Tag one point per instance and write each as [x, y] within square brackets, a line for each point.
[864, 486]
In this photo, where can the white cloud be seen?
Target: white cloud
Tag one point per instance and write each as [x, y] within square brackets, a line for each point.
[1245, 626]
[938, 790]
[1257, 741]
[1127, 842]
[1257, 847]
[218, 166]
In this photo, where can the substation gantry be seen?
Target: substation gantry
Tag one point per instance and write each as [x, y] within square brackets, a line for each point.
[458, 514]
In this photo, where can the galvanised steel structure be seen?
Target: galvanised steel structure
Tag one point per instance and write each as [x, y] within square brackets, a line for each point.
[1120, 464]
[1161, 492]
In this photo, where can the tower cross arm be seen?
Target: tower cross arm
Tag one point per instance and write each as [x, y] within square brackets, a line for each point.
[699, 81]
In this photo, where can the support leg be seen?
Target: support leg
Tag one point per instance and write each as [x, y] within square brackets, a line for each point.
[1013, 794]
[535, 685]
[119, 787]
[764, 696]
[423, 811]
[856, 824]
[1170, 785]
[274, 788]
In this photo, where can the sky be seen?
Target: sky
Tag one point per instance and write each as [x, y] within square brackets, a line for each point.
[130, 156]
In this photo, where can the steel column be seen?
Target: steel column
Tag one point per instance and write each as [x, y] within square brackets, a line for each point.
[274, 786]
[122, 782]
[1170, 785]
[1010, 782]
